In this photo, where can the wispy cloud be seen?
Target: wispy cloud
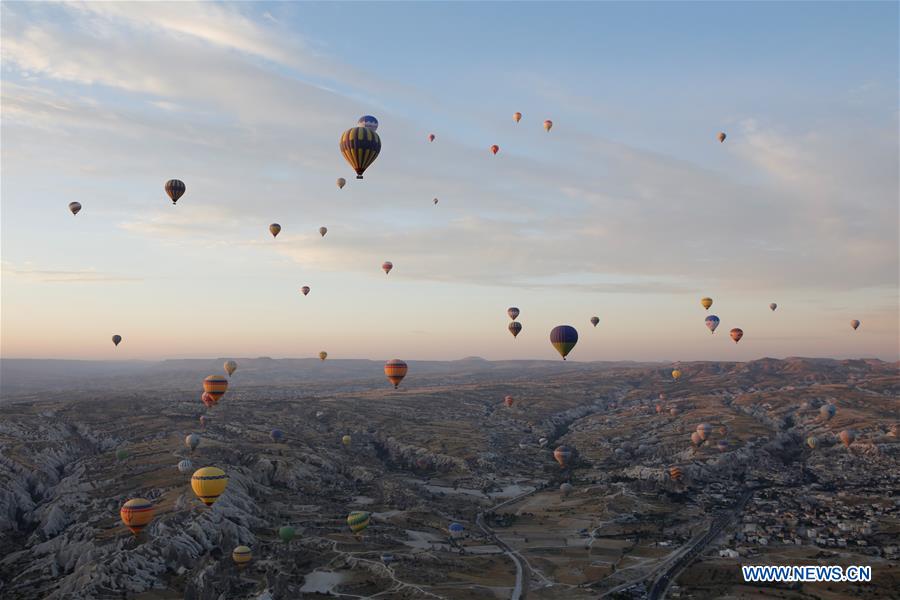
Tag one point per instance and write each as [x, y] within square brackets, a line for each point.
[58, 276]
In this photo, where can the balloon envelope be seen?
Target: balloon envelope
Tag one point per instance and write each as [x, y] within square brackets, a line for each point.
[514, 328]
[347, 440]
[241, 555]
[185, 466]
[304, 290]
[230, 367]
[513, 312]
[395, 370]
[136, 514]
[358, 520]
[360, 147]
[430, 137]
[736, 334]
[721, 137]
[274, 229]
[595, 321]
[854, 324]
[286, 533]
[369, 122]
[276, 435]
[712, 321]
[773, 306]
[323, 231]
[495, 149]
[215, 385]
[386, 266]
[116, 339]
[75, 207]
[323, 355]
[208, 484]
[676, 374]
[508, 401]
[517, 116]
[847, 436]
[706, 303]
[341, 182]
[548, 125]
[563, 338]
[563, 454]
[192, 441]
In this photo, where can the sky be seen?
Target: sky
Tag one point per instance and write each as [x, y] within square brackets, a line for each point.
[629, 209]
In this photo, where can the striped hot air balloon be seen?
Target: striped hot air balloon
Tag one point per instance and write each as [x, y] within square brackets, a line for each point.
[175, 188]
[563, 338]
[360, 147]
[241, 556]
[395, 370]
[136, 514]
[215, 386]
[675, 473]
[508, 401]
[208, 484]
[358, 520]
[185, 466]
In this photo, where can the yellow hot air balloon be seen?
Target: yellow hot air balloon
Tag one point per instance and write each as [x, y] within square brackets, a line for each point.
[706, 303]
[230, 367]
[323, 355]
[347, 440]
[241, 556]
[136, 514]
[358, 520]
[676, 374]
[209, 483]
[360, 147]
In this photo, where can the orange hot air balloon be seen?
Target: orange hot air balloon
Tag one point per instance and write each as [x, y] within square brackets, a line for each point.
[274, 229]
[136, 514]
[209, 400]
[548, 125]
[847, 436]
[395, 370]
[508, 401]
[215, 385]
[495, 149]
[304, 290]
[430, 137]
[736, 334]
[517, 116]
[563, 455]
[386, 266]
[675, 473]
[676, 374]
[721, 136]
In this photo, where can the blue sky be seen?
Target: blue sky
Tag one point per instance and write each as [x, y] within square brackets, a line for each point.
[629, 209]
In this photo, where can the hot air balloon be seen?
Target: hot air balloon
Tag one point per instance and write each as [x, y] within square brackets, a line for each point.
[514, 328]
[595, 321]
[286, 533]
[827, 411]
[208, 484]
[121, 454]
[563, 338]
[203, 420]
[736, 334]
[847, 436]
[323, 231]
[812, 442]
[347, 441]
[508, 401]
[192, 441]
[517, 116]
[274, 229]
[230, 367]
[215, 385]
[563, 455]
[304, 290]
[386, 266]
[548, 125]
[276, 435]
[704, 429]
[395, 370]
[854, 324]
[543, 442]
[675, 473]
[722, 137]
[659, 409]
[706, 303]
[456, 530]
[358, 520]
[566, 489]
[323, 355]
[676, 374]
[175, 189]
[435, 201]
[495, 149]
[369, 122]
[513, 312]
[75, 207]
[360, 147]
[136, 514]
[674, 411]
[341, 182]
[209, 400]
[241, 556]
[117, 339]
[696, 439]
[430, 137]
[773, 306]
[712, 321]
[185, 466]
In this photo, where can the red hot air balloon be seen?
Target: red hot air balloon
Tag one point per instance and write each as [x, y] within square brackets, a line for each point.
[430, 137]
[495, 149]
[508, 401]
[386, 266]
[737, 334]
[395, 370]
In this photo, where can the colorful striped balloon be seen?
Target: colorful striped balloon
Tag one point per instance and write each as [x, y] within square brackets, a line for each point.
[358, 520]
[208, 484]
[360, 147]
[215, 385]
[395, 370]
[136, 514]
[241, 556]
[175, 188]
[563, 338]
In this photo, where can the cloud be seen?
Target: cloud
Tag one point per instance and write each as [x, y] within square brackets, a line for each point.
[58, 276]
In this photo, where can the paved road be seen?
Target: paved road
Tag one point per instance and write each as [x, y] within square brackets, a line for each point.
[658, 590]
